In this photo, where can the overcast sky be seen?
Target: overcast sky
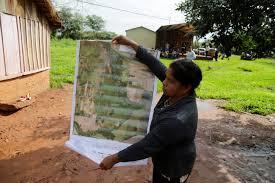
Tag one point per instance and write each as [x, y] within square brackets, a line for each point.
[118, 22]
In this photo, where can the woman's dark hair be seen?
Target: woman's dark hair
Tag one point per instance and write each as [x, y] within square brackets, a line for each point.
[186, 72]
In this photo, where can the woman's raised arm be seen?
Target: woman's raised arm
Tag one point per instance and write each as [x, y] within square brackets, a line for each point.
[144, 56]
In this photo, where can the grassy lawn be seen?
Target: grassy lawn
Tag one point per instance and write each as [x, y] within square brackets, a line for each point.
[247, 86]
[63, 54]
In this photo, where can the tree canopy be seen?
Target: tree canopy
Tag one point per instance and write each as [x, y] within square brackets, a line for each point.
[244, 25]
[94, 23]
[76, 26]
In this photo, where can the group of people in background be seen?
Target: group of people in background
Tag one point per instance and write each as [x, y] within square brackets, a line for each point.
[224, 53]
[178, 52]
[190, 54]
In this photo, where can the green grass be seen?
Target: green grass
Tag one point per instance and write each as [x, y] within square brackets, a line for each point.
[247, 86]
[63, 59]
[166, 62]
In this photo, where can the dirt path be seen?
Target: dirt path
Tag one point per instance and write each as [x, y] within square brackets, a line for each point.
[232, 147]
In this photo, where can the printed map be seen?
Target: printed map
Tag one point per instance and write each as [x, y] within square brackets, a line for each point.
[114, 93]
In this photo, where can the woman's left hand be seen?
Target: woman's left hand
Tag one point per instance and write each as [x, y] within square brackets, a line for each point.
[108, 162]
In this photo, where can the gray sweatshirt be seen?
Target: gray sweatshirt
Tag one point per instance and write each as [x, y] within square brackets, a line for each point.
[170, 141]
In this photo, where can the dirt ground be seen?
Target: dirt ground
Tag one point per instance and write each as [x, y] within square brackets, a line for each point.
[231, 147]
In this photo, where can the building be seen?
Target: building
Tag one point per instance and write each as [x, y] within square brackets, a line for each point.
[143, 36]
[25, 29]
[175, 36]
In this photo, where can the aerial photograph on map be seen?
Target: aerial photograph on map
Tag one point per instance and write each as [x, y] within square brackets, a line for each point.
[114, 93]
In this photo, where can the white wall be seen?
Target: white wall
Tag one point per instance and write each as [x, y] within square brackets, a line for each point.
[142, 36]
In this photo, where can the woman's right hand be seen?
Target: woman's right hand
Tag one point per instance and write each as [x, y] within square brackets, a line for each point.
[125, 41]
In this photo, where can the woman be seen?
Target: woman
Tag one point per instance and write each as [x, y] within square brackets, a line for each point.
[170, 141]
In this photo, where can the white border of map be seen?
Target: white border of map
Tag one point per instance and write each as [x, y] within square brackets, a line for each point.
[94, 148]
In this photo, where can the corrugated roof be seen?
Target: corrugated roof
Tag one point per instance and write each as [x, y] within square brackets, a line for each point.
[184, 27]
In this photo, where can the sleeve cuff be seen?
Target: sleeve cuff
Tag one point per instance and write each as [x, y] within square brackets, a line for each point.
[121, 156]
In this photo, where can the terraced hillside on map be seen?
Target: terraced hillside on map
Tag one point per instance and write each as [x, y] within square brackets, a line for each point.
[114, 93]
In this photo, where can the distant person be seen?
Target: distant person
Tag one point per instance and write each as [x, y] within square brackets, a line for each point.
[207, 50]
[174, 54]
[167, 46]
[216, 55]
[170, 141]
[190, 55]
[183, 48]
[227, 54]
[223, 54]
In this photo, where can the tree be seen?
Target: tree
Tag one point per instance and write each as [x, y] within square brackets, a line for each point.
[243, 42]
[75, 26]
[196, 44]
[94, 23]
[72, 24]
[233, 21]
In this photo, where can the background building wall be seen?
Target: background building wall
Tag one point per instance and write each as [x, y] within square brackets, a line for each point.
[143, 36]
